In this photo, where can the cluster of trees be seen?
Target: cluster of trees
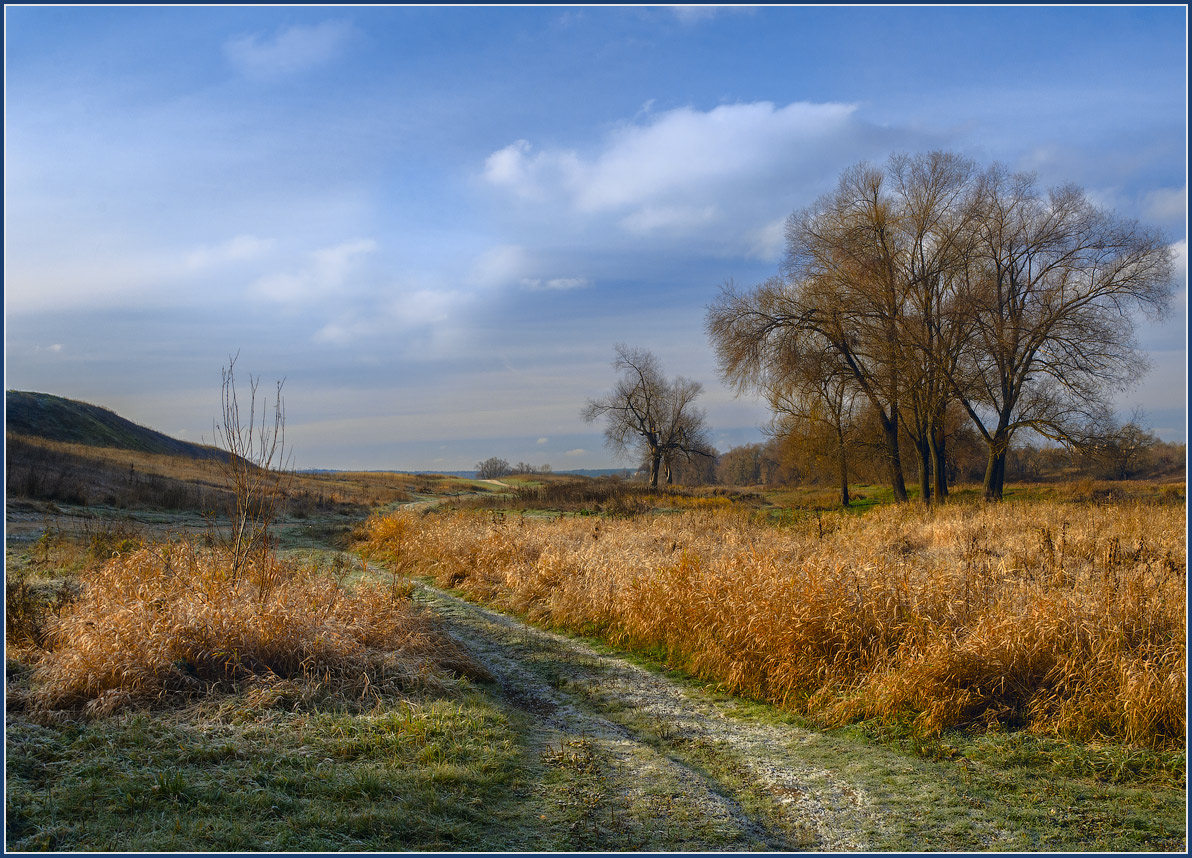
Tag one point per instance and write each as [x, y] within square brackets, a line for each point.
[494, 468]
[928, 297]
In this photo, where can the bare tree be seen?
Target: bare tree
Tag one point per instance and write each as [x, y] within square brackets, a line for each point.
[1051, 284]
[816, 390]
[492, 468]
[256, 466]
[930, 283]
[649, 415]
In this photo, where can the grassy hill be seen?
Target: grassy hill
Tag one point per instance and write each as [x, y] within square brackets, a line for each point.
[62, 451]
[53, 418]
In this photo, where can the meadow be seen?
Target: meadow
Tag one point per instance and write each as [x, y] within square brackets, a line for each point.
[1063, 619]
[321, 699]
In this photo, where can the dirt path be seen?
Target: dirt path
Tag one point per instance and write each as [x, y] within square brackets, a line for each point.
[644, 763]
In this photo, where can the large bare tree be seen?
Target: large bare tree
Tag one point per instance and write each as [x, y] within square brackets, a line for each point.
[1052, 283]
[843, 290]
[649, 415]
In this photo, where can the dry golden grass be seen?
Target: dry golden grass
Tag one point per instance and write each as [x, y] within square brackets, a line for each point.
[96, 475]
[1065, 619]
[168, 619]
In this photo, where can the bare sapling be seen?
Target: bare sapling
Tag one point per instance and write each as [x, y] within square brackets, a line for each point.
[256, 470]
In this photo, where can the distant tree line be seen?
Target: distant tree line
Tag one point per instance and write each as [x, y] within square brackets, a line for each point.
[806, 456]
[494, 468]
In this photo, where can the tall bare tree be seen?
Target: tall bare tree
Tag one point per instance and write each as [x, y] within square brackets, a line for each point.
[1051, 284]
[843, 290]
[648, 414]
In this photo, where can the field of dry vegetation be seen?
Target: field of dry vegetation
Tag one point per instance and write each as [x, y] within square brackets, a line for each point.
[158, 623]
[1065, 619]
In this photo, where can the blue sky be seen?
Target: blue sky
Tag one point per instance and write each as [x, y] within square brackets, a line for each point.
[435, 223]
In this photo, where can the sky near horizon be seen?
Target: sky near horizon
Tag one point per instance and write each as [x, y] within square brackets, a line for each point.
[436, 223]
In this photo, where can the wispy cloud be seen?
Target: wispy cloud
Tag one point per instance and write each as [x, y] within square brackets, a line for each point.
[555, 284]
[289, 51]
[1166, 204]
[697, 14]
[325, 273]
[239, 249]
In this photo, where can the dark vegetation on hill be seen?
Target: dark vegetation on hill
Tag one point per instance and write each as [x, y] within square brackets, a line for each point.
[42, 415]
[61, 451]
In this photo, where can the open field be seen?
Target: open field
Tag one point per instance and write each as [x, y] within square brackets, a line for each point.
[1065, 621]
[1005, 678]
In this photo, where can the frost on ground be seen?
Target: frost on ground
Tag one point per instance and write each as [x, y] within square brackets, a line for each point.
[648, 764]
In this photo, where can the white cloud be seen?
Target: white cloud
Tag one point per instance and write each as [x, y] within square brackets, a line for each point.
[670, 218]
[769, 240]
[500, 266]
[295, 49]
[724, 174]
[576, 452]
[672, 155]
[325, 273]
[1166, 204]
[696, 14]
[239, 249]
[542, 441]
[556, 284]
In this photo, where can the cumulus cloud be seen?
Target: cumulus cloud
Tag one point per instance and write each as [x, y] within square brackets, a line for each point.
[577, 452]
[289, 51]
[672, 155]
[542, 441]
[513, 265]
[726, 173]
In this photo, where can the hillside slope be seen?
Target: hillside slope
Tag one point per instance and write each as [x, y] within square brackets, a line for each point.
[54, 418]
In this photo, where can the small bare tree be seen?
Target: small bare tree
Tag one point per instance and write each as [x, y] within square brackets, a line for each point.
[256, 466]
[650, 415]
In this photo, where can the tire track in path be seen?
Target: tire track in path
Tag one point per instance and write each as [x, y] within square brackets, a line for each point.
[646, 763]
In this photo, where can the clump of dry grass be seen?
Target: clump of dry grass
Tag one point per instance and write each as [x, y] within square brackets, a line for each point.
[1065, 620]
[169, 619]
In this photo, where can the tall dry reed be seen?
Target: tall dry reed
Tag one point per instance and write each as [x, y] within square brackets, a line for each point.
[171, 618]
[1065, 619]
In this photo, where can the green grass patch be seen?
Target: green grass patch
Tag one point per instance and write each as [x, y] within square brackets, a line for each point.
[429, 774]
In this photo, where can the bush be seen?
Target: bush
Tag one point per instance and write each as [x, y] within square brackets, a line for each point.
[170, 620]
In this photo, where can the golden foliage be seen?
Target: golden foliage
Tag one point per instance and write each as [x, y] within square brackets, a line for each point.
[1064, 619]
[171, 618]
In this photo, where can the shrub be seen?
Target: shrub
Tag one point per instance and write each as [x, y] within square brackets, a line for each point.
[170, 619]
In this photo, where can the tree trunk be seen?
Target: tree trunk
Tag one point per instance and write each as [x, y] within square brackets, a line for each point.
[995, 469]
[655, 462]
[923, 452]
[842, 464]
[939, 465]
[893, 459]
